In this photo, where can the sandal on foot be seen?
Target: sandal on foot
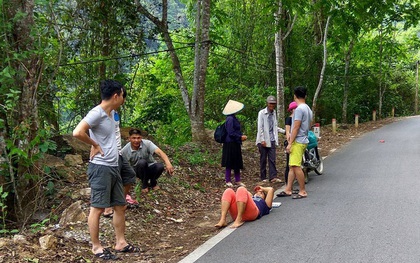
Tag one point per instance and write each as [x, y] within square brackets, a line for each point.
[110, 215]
[298, 196]
[283, 194]
[129, 249]
[276, 180]
[130, 200]
[106, 255]
[130, 206]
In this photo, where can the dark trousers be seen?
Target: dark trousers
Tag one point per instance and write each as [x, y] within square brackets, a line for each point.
[270, 154]
[286, 170]
[148, 174]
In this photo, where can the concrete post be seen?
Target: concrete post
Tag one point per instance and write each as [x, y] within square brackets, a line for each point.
[356, 120]
[317, 130]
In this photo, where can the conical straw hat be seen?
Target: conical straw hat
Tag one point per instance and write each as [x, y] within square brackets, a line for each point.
[232, 107]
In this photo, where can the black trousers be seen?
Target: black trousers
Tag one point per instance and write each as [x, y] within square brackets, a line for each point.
[270, 154]
[148, 174]
[287, 169]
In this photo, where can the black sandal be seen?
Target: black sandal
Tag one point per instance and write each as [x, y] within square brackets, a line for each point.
[129, 249]
[110, 215]
[106, 255]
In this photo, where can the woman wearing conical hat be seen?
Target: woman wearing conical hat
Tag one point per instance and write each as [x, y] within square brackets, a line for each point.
[232, 154]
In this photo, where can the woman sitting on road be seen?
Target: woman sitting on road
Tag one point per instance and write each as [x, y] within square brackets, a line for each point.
[243, 206]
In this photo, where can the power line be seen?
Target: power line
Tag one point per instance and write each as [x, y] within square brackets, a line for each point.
[122, 57]
[188, 45]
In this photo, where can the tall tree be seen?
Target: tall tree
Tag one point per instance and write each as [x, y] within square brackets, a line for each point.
[194, 104]
[321, 76]
[280, 36]
[28, 66]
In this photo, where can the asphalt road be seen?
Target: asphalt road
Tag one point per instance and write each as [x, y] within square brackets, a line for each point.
[364, 208]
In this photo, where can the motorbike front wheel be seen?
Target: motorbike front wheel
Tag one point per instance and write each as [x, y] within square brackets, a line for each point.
[320, 168]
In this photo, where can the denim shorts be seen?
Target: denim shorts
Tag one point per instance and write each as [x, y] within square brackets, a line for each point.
[106, 186]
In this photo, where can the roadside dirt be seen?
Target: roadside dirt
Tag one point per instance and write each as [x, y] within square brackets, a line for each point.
[169, 223]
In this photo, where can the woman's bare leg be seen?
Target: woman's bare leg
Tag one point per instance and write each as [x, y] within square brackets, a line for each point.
[241, 209]
[223, 214]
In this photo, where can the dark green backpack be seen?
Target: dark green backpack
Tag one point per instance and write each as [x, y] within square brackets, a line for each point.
[220, 133]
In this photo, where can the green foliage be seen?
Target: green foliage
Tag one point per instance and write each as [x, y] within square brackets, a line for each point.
[50, 189]
[182, 183]
[199, 187]
[155, 105]
[36, 227]
[41, 143]
[4, 211]
[194, 155]
[3, 206]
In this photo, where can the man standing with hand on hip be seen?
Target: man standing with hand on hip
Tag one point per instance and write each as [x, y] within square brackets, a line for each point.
[103, 174]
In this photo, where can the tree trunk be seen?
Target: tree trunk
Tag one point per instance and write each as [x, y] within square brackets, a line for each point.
[106, 43]
[195, 106]
[318, 23]
[346, 82]
[202, 48]
[321, 77]
[278, 44]
[29, 70]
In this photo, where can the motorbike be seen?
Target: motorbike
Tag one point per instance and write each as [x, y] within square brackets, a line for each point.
[311, 159]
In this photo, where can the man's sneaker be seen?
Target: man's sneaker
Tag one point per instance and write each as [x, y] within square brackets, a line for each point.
[130, 200]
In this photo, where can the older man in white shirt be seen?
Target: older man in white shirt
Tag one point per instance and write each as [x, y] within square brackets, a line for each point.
[267, 140]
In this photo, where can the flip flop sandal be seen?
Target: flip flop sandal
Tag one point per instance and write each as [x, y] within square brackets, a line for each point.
[283, 194]
[129, 249]
[130, 200]
[276, 180]
[106, 255]
[131, 206]
[108, 215]
[298, 196]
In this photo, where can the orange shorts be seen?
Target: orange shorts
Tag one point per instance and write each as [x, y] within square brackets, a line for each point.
[241, 195]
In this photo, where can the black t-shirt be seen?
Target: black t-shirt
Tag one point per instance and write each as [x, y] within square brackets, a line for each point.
[288, 121]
